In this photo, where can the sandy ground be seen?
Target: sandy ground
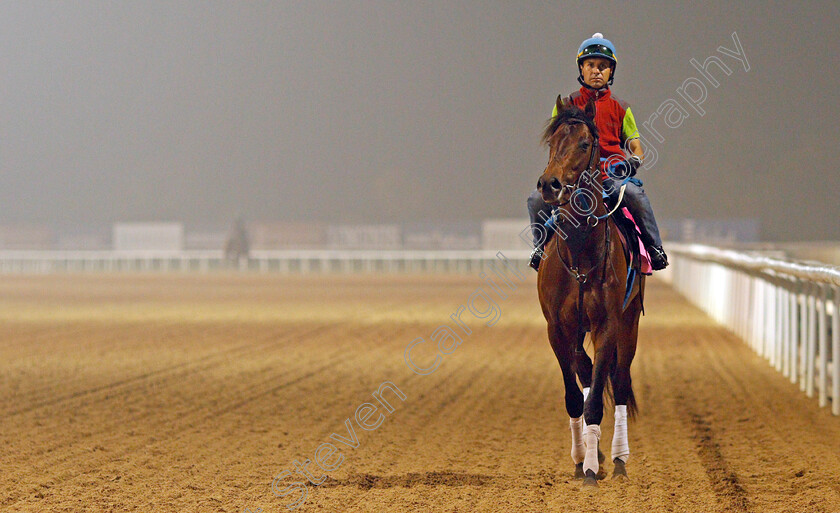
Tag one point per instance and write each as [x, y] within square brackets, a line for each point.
[191, 393]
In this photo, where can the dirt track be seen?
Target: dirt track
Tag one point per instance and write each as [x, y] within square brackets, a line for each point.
[189, 393]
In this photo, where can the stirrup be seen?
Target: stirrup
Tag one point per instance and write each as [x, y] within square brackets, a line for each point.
[658, 258]
[536, 257]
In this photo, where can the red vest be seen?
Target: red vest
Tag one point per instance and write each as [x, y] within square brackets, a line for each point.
[609, 118]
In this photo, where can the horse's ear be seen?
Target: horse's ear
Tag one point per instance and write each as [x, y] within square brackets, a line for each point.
[589, 110]
[560, 106]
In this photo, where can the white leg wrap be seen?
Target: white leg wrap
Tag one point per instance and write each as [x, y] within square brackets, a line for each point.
[578, 446]
[620, 442]
[585, 395]
[591, 435]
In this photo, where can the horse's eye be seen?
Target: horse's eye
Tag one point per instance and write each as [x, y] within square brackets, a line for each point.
[584, 145]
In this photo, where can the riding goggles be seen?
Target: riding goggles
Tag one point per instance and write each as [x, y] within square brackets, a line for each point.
[597, 51]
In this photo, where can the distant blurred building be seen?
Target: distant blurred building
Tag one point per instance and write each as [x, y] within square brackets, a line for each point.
[286, 235]
[711, 231]
[506, 234]
[26, 237]
[205, 239]
[364, 236]
[463, 235]
[148, 236]
[83, 242]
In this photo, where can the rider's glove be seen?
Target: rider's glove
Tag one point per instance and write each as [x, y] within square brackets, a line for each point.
[627, 167]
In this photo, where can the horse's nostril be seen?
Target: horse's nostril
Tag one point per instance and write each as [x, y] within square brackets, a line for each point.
[555, 183]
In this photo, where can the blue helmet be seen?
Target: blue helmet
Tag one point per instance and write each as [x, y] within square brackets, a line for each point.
[597, 46]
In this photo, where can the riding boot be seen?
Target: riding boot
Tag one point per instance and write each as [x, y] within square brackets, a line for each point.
[539, 212]
[536, 257]
[658, 258]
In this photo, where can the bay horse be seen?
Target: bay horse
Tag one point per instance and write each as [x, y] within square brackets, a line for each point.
[581, 282]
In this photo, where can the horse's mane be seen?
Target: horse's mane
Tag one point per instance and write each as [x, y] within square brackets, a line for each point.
[568, 113]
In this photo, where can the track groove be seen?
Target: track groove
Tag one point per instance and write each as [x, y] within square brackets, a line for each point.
[723, 479]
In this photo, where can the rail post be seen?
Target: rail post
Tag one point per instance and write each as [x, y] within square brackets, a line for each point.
[835, 353]
[822, 340]
[811, 351]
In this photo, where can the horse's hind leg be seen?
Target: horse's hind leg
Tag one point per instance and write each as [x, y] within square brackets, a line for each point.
[624, 398]
[564, 352]
[620, 442]
[583, 366]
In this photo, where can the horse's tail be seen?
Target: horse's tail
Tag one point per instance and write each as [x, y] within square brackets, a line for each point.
[632, 406]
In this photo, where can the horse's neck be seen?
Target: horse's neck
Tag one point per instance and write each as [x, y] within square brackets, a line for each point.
[585, 243]
[583, 247]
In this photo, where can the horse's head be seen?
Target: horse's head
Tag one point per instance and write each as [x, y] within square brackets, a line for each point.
[572, 141]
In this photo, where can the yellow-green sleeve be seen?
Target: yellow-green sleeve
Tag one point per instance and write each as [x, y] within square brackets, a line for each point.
[628, 126]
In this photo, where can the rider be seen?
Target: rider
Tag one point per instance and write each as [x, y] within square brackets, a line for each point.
[616, 130]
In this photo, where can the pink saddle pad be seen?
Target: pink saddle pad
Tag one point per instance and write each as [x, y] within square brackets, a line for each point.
[646, 268]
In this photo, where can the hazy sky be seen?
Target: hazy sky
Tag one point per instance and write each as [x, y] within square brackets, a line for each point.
[400, 111]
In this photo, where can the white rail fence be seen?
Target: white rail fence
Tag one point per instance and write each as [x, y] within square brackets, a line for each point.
[788, 312]
[309, 261]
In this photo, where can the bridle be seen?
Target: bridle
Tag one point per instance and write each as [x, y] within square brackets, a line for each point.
[572, 188]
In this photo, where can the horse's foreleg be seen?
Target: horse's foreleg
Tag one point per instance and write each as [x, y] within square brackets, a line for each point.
[593, 410]
[583, 369]
[573, 397]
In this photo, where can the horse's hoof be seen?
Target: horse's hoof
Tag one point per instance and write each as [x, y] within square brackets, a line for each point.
[579, 471]
[590, 479]
[620, 470]
[602, 473]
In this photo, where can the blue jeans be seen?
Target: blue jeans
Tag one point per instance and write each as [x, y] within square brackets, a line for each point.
[638, 204]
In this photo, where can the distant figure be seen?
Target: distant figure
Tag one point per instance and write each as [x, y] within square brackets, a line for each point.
[237, 246]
